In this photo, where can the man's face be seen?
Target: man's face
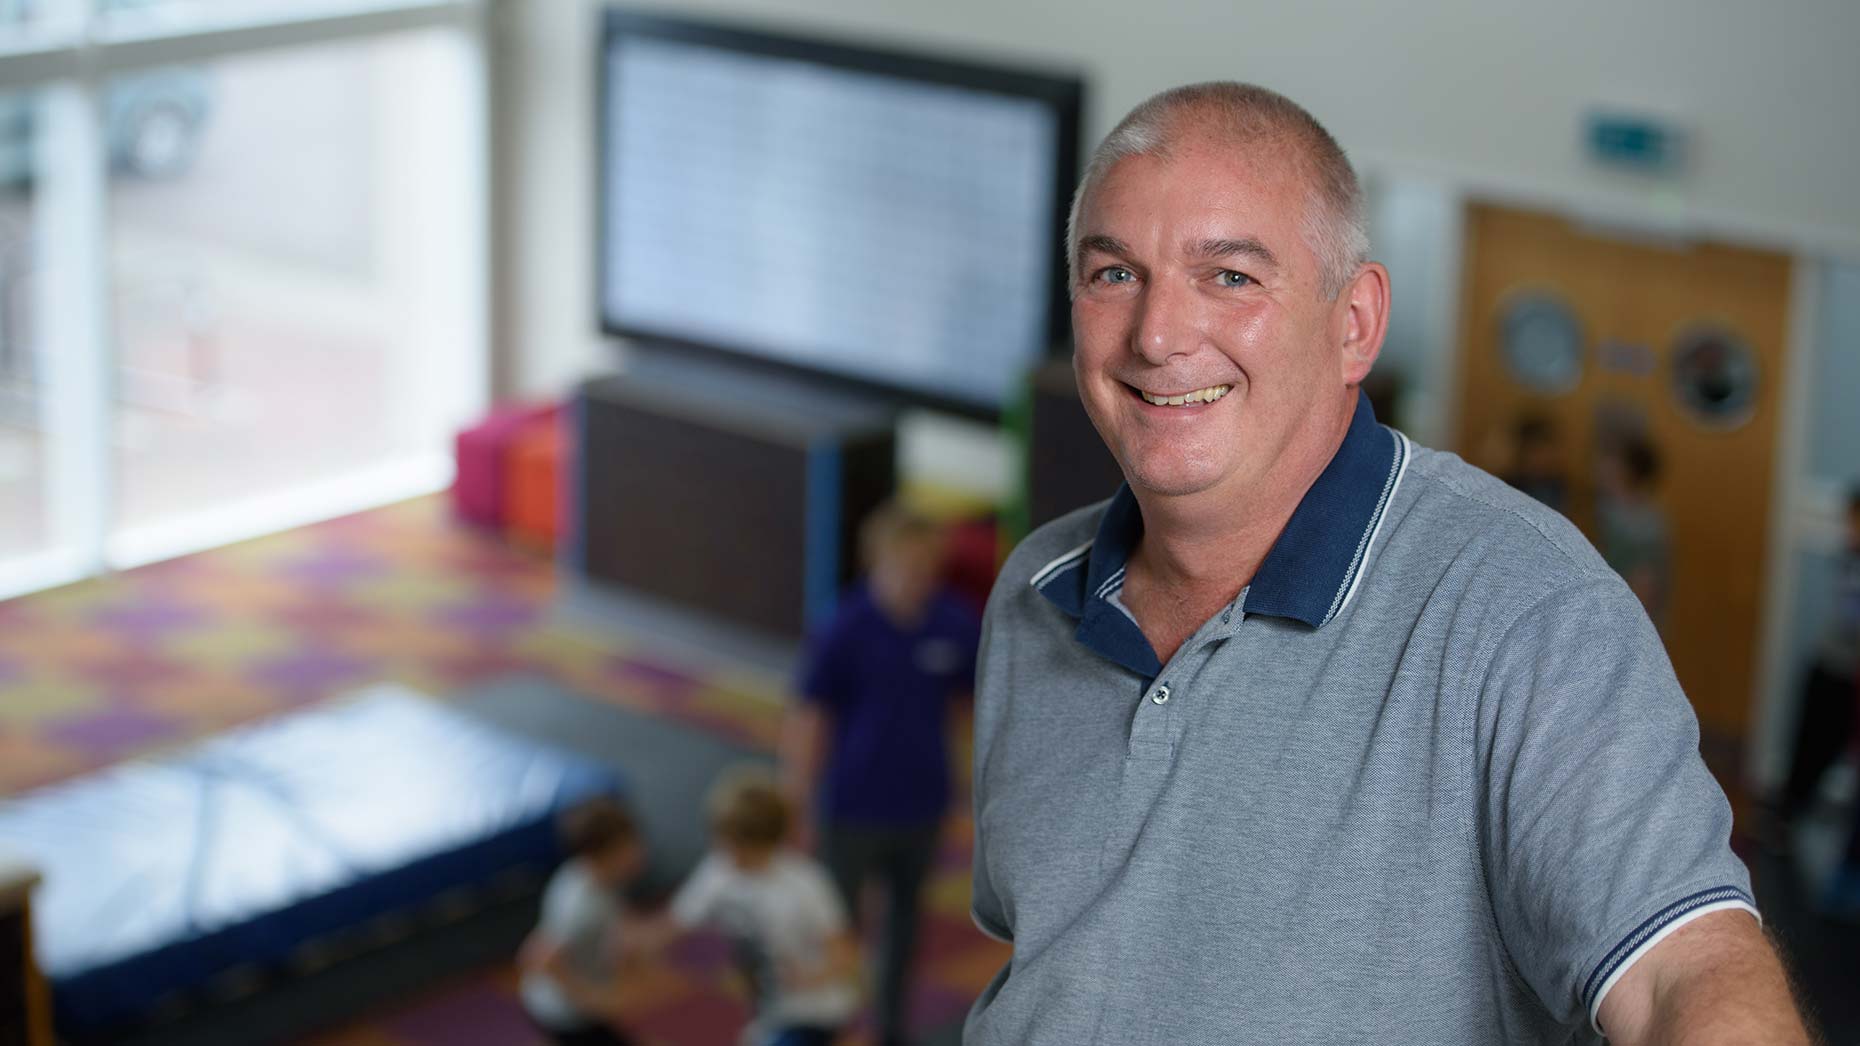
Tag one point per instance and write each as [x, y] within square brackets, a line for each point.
[1196, 281]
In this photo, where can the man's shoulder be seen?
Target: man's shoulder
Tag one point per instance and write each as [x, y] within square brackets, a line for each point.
[1455, 510]
[1052, 545]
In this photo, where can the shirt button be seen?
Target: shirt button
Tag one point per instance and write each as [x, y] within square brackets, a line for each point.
[1161, 694]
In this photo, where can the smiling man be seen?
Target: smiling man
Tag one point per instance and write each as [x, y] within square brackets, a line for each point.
[1310, 734]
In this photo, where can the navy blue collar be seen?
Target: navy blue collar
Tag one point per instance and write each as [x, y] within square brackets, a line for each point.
[1308, 576]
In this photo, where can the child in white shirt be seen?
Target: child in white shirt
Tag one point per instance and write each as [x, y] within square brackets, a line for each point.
[573, 962]
[780, 908]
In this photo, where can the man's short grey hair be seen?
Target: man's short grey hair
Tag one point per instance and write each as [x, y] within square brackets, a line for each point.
[1335, 225]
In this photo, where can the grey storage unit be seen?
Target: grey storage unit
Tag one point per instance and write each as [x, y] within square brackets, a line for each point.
[732, 492]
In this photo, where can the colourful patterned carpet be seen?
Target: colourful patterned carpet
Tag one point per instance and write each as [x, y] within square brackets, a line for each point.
[109, 669]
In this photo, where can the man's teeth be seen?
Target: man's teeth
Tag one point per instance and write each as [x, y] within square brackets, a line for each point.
[1207, 395]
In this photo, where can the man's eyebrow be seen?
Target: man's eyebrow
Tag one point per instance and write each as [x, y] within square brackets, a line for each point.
[1246, 247]
[1104, 245]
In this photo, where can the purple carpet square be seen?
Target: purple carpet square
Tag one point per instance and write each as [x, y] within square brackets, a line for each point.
[16, 614]
[310, 668]
[129, 669]
[115, 730]
[334, 566]
[495, 612]
[471, 1015]
[324, 614]
[148, 619]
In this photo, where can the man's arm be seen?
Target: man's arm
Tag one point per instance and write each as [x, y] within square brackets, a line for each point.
[1715, 980]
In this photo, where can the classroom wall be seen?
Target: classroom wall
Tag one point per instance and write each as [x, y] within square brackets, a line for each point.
[1435, 100]
[1833, 464]
[1485, 96]
[1834, 416]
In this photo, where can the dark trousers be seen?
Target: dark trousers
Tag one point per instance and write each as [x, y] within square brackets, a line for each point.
[803, 1037]
[584, 1035]
[899, 858]
[1821, 734]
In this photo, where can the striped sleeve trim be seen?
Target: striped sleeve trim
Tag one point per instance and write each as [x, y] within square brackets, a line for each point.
[1655, 929]
[988, 931]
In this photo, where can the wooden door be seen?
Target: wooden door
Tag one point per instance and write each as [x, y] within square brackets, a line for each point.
[1642, 314]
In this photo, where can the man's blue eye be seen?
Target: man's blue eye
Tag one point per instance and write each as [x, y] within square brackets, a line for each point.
[1230, 278]
[1116, 274]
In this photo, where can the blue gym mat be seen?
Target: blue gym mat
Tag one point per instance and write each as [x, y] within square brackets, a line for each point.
[163, 875]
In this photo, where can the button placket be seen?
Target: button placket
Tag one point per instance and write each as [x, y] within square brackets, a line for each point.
[1148, 759]
[1149, 726]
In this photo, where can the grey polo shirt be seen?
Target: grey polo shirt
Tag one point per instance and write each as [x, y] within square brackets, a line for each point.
[1430, 779]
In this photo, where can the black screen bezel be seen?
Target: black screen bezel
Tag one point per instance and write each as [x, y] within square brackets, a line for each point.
[1063, 94]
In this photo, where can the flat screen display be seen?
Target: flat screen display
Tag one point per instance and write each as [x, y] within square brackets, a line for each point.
[891, 220]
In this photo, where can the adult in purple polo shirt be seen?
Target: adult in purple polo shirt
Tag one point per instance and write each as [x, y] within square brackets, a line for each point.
[866, 749]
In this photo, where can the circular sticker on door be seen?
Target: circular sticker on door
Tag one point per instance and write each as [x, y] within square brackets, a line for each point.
[1715, 376]
[1542, 343]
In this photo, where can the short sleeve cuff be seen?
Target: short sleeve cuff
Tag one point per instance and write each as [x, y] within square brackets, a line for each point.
[988, 928]
[1652, 931]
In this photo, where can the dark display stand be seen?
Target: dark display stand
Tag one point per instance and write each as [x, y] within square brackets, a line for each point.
[25, 1011]
[726, 491]
[1068, 466]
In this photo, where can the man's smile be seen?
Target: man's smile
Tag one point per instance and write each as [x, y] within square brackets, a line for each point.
[1179, 399]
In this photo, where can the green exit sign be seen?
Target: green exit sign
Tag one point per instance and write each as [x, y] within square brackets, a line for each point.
[1635, 142]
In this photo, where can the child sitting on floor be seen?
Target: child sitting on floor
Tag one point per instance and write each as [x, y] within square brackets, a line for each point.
[780, 908]
[573, 962]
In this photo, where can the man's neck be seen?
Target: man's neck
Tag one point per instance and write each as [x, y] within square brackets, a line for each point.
[1211, 543]
[1199, 550]
[1187, 547]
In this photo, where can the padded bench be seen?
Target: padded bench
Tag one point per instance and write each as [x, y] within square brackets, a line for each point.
[279, 845]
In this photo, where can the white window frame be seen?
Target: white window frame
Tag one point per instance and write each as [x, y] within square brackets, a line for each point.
[67, 55]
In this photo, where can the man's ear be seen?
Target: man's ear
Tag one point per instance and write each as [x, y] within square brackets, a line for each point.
[1363, 305]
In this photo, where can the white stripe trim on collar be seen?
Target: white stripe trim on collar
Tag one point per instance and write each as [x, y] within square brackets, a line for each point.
[1360, 566]
[1115, 581]
[1047, 572]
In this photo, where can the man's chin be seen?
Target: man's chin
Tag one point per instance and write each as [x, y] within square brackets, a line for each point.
[1171, 482]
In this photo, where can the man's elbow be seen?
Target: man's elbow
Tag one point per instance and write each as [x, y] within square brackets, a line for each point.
[1715, 980]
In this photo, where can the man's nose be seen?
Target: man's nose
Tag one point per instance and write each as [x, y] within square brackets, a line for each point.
[1167, 323]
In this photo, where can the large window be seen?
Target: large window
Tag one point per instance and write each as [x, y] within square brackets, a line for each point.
[242, 250]
[24, 528]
